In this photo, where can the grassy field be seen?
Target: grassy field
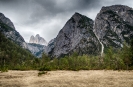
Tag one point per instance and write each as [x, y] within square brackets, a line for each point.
[89, 78]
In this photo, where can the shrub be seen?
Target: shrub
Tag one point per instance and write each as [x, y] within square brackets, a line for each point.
[4, 69]
[46, 68]
[42, 72]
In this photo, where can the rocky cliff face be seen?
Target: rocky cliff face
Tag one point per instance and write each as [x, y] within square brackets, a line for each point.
[36, 49]
[49, 48]
[38, 40]
[37, 45]
[6, 21]
[8, 29]
[76, 36]
[114, 25]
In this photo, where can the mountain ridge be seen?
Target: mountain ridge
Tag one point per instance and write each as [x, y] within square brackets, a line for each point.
[7, 28]
[76, 36]
[112, 26]
[38, 40]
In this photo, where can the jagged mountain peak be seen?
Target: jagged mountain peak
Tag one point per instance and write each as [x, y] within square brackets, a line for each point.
[118, 9]
[114, 25]
[32, 36]
[76, 36]
[115, 7]
[77, 17]
[37, 35]
[8, 29]
[76, 14]
[37, 40]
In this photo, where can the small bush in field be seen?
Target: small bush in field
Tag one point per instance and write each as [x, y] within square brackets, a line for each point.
[41, 73]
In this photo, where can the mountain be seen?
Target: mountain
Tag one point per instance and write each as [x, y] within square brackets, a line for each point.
[7, 28]
[38, 40]
[114, 25]
[37, 45]
[76, 36]
[49, 48]
[12, 52]
[36, 49]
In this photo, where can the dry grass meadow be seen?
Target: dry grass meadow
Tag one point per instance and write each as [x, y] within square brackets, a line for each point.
[89, 78]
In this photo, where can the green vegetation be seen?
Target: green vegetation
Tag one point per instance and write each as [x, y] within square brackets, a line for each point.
[113, 59]
[41, 73]
[14, 57]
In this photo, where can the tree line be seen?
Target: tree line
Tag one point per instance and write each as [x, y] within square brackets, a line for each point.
[113, 59]
[14, 57]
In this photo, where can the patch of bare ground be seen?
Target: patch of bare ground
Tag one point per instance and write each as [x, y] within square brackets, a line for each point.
[89, 78]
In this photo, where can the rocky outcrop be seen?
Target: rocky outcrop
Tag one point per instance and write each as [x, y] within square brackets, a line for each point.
[36, 49]
[114, 25]
[6, 21]
[49, 48]
[76, 36]
[38, 40]
[37, 45]
[8, 29]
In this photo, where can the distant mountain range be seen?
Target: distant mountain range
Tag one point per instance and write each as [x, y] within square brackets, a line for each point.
[38, 40]
[8, 29]
[37, 45]
[112, 27]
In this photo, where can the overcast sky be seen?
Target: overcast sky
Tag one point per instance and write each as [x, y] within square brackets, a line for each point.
[47, 17]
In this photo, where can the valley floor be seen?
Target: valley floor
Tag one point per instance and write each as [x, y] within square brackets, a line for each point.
[88, 78]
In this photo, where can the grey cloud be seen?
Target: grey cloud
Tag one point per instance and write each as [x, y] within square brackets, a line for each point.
[32, 11]
[47, 17]
[51, 8]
